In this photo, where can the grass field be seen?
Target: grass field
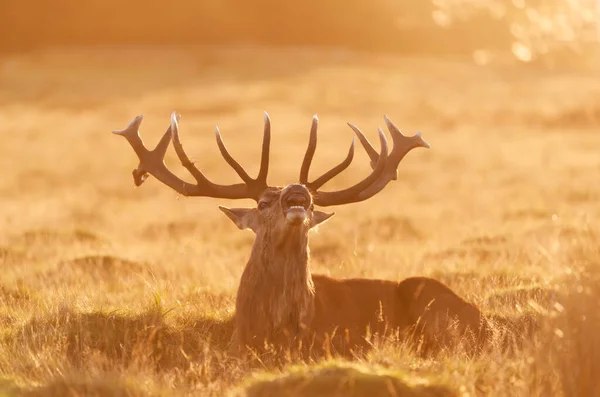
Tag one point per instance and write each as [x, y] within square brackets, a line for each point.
[108, 289]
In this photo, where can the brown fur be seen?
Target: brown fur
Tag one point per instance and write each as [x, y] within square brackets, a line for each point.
[418, 309]
[280, 303]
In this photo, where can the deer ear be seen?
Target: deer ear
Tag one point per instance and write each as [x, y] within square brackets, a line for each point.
[319, 217]
[244, 218]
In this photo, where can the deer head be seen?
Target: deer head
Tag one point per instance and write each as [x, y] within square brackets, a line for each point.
[279, 211]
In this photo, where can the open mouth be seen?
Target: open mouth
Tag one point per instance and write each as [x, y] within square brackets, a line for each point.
[295, 206]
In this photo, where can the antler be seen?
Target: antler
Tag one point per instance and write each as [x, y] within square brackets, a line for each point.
[308, 156]
[384, 166]
[152, 162]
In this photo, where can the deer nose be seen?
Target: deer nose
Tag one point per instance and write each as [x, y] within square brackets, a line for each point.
[296, 194]
[295, 188]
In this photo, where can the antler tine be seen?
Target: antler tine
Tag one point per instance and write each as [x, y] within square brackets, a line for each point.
[230, 160]
[308, 156]
[351, 194]
[265, 153]
[373, 155]
[260, 183]
[310, 151]
[131, 133]
[152, 162]
[183, 157]
[329, 175]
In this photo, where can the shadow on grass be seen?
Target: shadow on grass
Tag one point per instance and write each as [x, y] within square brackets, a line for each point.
[9, 256]
[142, 339]
[103, 265]
[81, 387]
[14, 295]
[391, 227]
[512, 333]
[496, 279]
[521, 296]
[346, 381]
[49, 236]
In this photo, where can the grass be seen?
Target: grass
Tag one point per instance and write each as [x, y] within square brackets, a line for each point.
[343, 379]
[107, 289]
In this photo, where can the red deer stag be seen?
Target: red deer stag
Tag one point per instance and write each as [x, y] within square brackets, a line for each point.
[279, 302]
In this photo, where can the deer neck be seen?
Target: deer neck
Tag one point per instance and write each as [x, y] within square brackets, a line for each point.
[277, 281]
[283, 260]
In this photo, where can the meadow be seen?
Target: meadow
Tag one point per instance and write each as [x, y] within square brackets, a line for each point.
[109, 289]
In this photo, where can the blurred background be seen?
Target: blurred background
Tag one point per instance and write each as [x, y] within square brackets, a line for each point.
[550, 32]
[496, 86]
[506, 91]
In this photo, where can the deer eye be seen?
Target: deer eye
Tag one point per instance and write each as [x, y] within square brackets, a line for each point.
[263, 204]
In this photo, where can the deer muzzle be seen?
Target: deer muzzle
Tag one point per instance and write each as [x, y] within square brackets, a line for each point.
[295, 202]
